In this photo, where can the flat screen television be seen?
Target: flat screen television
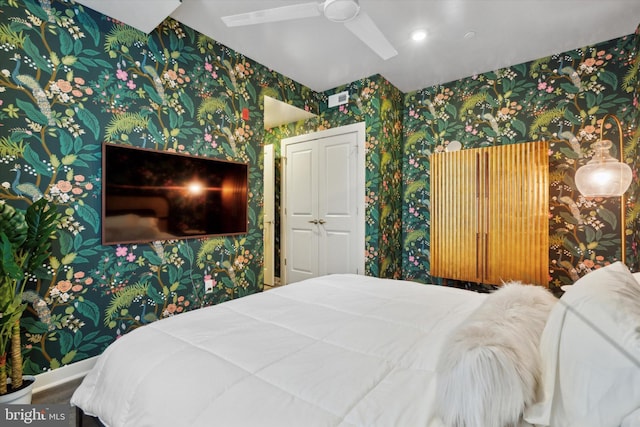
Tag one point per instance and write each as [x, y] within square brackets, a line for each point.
[151, 195]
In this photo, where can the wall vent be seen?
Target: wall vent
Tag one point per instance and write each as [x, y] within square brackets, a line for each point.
[338, 99]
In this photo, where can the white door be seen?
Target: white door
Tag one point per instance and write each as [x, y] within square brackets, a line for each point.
[337, 207]
[301, 211]
[269, 215]
[324, 203]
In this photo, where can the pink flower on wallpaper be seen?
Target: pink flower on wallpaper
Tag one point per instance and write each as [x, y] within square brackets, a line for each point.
[64, 86]
[131, 257]
[64, 286]
[471, 129]
[64, 186]
[131, 85]
[208, 66]
[208, 137]
[545, 87]
[121, 251]
[122, 75]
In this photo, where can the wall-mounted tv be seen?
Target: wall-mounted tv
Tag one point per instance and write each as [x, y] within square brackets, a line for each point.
[153, 195]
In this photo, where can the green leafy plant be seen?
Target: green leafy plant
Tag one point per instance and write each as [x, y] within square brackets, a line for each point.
[25, 243]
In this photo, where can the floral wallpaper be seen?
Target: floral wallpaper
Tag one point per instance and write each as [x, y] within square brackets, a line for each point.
[561, 99]
[71, 80]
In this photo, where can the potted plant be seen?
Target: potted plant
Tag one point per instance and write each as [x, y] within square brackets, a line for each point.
[25, 242]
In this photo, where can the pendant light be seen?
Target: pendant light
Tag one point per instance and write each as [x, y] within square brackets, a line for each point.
[604, 176]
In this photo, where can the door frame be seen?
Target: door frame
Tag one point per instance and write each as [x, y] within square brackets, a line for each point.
[360, 130]
[268, 235]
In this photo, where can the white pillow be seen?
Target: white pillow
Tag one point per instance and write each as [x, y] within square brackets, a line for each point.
[591, 353]
[489, 369]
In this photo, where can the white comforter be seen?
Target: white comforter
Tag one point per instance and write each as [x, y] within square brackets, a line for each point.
[340, 350]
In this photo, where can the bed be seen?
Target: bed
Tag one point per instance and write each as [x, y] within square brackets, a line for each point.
[339, 350]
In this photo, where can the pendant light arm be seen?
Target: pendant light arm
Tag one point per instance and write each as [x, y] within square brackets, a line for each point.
[620, 134]
[623, 200]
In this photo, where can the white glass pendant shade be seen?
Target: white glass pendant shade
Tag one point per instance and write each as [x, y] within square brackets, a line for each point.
[603, 176]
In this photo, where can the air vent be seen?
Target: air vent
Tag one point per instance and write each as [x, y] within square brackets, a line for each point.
[338, 99]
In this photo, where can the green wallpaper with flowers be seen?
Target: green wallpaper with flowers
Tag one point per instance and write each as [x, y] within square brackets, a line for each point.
[561, 99]
[72, 79]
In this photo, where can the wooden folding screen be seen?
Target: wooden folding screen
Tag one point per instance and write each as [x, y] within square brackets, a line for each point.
[489, 214]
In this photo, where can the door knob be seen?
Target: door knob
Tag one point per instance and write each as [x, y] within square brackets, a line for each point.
[314, 221]
[322, 221]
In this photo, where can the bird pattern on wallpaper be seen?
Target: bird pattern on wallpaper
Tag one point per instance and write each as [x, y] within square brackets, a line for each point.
[46, 7]
[24, 188]
[573, 75]
[155, 78]
[32, 84]
[573, 142]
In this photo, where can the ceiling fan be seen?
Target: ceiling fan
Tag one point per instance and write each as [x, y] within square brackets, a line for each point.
[343, 11]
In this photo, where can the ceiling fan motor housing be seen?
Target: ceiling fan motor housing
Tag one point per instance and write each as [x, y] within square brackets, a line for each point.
[341, 10]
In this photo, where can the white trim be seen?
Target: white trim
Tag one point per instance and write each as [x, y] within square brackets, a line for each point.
[65, 374]
[360, 129]
[268, 231]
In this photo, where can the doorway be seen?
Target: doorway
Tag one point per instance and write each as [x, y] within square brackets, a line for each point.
[323, 209]
[276, 114]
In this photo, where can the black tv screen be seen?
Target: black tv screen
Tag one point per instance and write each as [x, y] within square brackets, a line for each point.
[153, 195]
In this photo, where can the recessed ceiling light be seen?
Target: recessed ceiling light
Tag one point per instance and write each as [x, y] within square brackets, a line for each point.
[418, 35]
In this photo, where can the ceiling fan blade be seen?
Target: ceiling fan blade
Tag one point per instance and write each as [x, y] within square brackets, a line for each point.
[367, 31]
[284, 13]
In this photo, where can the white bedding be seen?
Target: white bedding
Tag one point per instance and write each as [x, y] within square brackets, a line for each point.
[341, 350]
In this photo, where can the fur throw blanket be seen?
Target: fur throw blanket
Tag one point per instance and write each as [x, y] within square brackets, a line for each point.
[490, 367]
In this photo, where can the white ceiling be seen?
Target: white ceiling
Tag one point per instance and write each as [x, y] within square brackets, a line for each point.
[323, 55]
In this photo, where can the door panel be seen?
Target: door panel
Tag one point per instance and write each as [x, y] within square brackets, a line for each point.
[301, 211]
[337, 203]
[336, 245]
[336, 178]
[301, 186]
[303, 262]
